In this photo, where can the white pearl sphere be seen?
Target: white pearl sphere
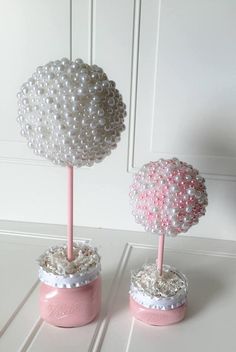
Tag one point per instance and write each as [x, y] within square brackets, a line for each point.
[70, 113]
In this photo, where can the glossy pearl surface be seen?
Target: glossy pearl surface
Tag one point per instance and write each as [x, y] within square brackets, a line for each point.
[71, 113]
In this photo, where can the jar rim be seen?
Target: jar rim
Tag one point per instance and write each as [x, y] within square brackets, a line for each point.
[162, 303]
[71, 280]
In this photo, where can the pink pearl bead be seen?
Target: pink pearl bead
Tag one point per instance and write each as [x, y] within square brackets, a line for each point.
[169, 182]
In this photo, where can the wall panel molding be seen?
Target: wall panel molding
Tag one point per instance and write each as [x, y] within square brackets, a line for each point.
[134, 81]
[163, 123]
[174, 63]
[32, 33]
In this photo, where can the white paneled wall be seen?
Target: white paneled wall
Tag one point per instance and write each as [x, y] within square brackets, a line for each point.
[174, 63]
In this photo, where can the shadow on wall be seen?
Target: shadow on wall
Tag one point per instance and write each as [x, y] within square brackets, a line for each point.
[212, 138]
[205, 290]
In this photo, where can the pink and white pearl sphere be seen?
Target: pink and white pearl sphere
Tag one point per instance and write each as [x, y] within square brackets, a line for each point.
[71, 113]
[168, 196]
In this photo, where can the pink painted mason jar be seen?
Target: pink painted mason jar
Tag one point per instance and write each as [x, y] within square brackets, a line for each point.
[70, 300]
[163, 304]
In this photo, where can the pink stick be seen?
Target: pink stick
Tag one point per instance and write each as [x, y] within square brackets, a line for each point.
[160, 254]
[70, 213]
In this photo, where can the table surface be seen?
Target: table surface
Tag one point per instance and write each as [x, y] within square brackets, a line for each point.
[210, 266]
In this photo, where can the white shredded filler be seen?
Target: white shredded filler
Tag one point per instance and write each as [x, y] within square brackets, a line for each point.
[55, 261]
[149, 281]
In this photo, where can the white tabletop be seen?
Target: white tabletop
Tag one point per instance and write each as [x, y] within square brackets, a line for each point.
[210, 266]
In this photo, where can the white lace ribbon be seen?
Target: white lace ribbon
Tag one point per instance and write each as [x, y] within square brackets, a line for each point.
[162, 303]
[157, 303]
[69, 281]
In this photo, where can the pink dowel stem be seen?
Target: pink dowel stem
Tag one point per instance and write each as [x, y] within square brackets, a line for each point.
[160, 253]
[70, 213]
